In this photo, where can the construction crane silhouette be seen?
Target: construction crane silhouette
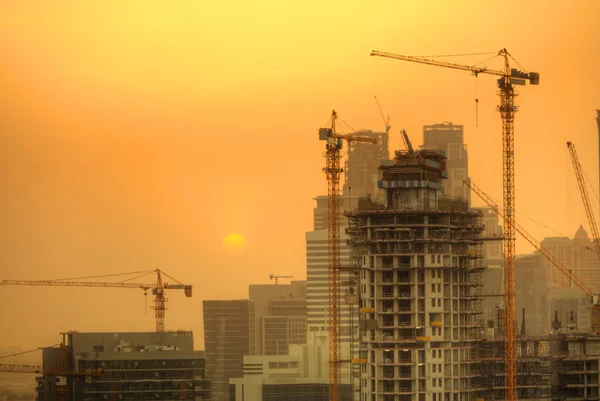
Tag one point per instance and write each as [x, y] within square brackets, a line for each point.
[333, 172]
[272, 276]
[548, 255]
[158, 289]
[59, 370]
[385, 120]
[584, 196]
[508, 77]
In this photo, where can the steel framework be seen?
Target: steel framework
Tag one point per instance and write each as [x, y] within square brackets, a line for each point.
[507, 109]
[333, 173]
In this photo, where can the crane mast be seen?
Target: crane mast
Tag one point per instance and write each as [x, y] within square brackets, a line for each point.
[507, 109]
[333, 172]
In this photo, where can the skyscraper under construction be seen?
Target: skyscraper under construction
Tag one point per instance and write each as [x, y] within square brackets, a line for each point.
[419, 256]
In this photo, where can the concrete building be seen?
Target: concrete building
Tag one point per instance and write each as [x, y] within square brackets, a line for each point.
[133, 368]
[571, 307]
[317, 264]
[347, 203]
[534, 366]
[531, 297]
[228, 336]
[420, 284]
[280, 316]
[493, 259]
[450, 138]
[303, 375]
[578, 254]
[362, 163]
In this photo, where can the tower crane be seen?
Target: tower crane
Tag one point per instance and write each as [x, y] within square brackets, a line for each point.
[272, 276]
[60, 370]
[386, 121]
[548, 255]
[158, 289]
[508, 78]
[584, 196]
[333, 172]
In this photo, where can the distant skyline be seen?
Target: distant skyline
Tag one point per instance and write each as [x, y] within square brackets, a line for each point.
[139, 135]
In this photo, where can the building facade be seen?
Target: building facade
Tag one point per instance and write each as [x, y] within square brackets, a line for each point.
[228, 336]
[420, 284]
[132, 367]
[578, 254]
[303, 375]
[450, 138]
[317, 274]
[280, 316]
[361, 165]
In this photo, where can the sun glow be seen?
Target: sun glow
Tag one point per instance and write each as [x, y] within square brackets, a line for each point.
[235, 242]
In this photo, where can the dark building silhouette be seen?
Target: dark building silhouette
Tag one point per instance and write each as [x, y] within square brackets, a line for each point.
[228, 336]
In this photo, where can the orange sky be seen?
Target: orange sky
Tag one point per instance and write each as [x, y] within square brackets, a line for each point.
[139, 134]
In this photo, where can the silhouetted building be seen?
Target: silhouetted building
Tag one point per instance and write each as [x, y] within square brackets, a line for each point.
[228, 336]
[450, 138]
[577, 254]
[280, 316]
[531, 295]
[317, 275]
[361, 165]
[133, 368]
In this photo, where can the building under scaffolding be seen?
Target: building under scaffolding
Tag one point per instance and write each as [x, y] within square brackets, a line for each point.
[533, 367]
[419, 257]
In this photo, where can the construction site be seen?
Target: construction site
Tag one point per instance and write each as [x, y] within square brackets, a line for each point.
[411, 294]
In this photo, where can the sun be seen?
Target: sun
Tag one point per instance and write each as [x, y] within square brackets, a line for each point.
[234, 242]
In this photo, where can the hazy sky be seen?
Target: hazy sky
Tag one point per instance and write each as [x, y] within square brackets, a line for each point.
[138, 134]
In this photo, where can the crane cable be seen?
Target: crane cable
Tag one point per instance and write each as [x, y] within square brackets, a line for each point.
[104, 275]
[459, 55]
[545, 226]
[26, 352]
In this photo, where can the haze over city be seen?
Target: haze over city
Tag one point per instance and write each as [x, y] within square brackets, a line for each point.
[140, 135]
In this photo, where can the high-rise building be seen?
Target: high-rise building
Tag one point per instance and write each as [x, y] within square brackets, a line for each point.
[280, 315]
[578, 254]
[531, 296]
[450, 138]
[362, 163]
[361, 172]
[420, 284]
[317, 284]
[228, 336]
[133, 367]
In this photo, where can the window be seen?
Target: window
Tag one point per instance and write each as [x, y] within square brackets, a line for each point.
[439, 259]
[455, 151]
[458, 174]
[433, 302]
[434, 369]
[439, 288]
[432, 258]
[495, 250]
[439, 301]
[432, 287]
